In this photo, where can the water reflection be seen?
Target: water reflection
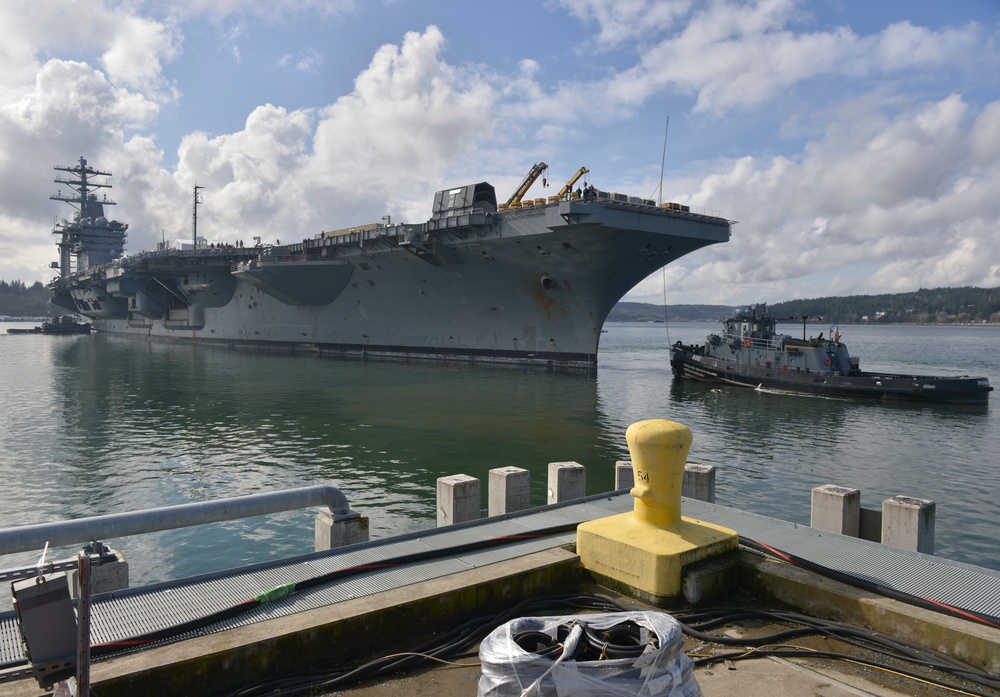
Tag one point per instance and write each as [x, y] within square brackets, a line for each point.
[144, 425]
[96, 425]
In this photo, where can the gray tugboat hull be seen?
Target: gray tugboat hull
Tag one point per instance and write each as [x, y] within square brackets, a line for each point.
[687, 363]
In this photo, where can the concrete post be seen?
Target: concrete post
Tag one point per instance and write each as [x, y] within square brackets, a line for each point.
[624, 476]
[567, 481]
[509, 490]
[836, 509]
[457, 499]
[105, 577]
[332, 532]
[908, 523]
[699, 482]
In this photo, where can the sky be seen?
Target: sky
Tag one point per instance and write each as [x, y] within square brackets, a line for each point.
[856, 143]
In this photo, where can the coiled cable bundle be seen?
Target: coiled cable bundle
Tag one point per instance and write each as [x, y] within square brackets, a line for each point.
[619, 653]
[624, 640]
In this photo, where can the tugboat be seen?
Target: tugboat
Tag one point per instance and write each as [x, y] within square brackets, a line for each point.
[750, 353]
[64, 324]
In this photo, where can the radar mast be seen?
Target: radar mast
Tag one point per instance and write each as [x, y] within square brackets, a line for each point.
[89, 238]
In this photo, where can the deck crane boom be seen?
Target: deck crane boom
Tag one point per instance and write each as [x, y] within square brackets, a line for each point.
[533, 174]
[569, 185]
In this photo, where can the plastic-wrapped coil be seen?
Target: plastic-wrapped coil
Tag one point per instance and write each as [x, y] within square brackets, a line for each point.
[621, 653]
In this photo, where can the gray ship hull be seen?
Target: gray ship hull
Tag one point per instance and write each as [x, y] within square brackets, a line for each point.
[530, 285]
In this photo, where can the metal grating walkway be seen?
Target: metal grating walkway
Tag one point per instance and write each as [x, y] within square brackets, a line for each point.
[135, 611]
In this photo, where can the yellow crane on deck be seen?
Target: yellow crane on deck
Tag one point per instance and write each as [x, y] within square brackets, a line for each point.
[569, 185]
[535, 172]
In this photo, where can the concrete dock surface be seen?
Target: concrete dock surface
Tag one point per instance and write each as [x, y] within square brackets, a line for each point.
[765, 677]
[339, 635]
[217, 664]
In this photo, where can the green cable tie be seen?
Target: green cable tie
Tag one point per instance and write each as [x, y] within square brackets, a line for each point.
[276, 593]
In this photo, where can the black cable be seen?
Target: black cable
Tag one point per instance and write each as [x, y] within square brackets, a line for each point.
[857, 582]
[894, 648]
[99, 650]
[807, 653]
[450, 645]
[855, 636]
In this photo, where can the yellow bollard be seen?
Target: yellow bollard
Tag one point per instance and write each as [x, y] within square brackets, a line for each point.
[647, 549]
[659, 450]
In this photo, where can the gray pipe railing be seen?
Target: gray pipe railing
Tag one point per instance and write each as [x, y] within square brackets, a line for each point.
[67, 532]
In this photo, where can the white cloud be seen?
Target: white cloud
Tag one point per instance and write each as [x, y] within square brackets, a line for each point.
[137, 50]
[310, 62]
[741, 55]
[892, 186]
[620, 21]
[411, 115]
[985, 137]
[384, 148]
[911, 199]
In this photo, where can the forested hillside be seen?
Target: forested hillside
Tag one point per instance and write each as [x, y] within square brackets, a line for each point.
[20, 300]
[937, 306]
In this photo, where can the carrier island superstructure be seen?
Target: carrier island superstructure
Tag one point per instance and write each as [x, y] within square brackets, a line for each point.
[527, 281]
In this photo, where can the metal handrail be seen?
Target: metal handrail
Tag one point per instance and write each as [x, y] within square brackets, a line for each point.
[66, 532]
[756, 342]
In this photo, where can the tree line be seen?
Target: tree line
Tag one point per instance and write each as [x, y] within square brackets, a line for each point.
[17, 299]
[965, 305]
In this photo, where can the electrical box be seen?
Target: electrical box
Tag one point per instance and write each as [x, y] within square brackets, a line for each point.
[48, 626]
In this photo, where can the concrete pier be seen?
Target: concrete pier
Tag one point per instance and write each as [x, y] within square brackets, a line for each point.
[908, 523]
[699, 482]
[110, 574]
[567, 481]
[407, 603]
[836, 509]
[904, 522]
[333, 531]
[509, 490]
[624, 476]
[457, 499]
[332, 623]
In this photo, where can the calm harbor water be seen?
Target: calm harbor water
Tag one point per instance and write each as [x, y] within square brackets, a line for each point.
[93, 425]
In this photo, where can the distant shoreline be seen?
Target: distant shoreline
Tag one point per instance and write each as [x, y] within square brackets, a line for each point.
[839, 324]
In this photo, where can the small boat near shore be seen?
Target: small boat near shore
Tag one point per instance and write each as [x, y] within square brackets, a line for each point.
[749, 352]
[63, 324]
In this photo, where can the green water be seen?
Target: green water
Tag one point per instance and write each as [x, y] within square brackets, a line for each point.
[94, 425]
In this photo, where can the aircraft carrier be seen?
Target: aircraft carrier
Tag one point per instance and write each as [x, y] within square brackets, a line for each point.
[529, 281]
